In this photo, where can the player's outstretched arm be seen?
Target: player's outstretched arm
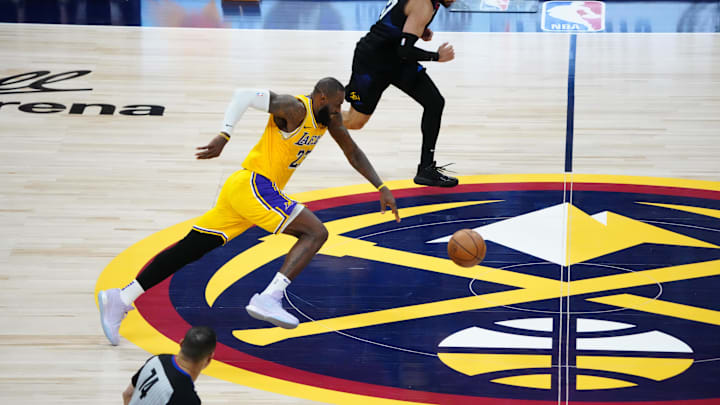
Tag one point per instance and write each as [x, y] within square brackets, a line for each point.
[213, 148]
[242, 99]
[360, 162]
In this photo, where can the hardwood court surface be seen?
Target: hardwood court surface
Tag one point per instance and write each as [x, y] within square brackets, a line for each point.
[78, 189]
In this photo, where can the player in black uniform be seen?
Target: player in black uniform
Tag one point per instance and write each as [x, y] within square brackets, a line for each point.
[388, 55]
[170, 380]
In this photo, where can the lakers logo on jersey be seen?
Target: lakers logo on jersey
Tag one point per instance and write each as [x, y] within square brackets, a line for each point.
[307, 140]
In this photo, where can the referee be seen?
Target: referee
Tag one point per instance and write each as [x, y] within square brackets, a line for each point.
[168, 379]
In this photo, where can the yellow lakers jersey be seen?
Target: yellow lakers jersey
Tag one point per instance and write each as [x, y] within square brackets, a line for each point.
[278, 154]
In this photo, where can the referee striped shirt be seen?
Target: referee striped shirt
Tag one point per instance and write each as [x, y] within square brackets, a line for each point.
[162, 382]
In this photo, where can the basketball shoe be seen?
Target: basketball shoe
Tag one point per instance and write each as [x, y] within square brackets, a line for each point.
[432, 175]
[266, 308]
[112, 312]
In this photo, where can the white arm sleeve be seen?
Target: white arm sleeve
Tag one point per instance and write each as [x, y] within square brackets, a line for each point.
[242, 99]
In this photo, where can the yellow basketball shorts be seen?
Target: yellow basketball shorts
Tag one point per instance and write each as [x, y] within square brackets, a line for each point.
[248, 199]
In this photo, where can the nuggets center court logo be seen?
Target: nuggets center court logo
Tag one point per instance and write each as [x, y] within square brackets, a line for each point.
[598, 290]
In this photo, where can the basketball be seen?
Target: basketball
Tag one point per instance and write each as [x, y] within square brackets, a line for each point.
[466, 248]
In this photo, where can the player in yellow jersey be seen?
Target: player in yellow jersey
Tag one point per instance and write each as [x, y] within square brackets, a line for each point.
[253, 196]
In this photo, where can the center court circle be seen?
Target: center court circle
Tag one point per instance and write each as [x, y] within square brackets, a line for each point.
[380, 284]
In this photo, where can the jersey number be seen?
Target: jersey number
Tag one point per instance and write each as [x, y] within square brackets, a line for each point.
[148, 383]
[302, 154]
[390, 4]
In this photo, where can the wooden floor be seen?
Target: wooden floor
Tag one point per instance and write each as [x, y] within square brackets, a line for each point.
[78, 189]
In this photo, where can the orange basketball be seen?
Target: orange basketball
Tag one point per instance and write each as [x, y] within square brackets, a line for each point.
[466, 248]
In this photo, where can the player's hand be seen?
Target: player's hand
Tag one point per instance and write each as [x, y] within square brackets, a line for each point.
[387, 200]
[427, 35]
[446, 52]
[213, 149]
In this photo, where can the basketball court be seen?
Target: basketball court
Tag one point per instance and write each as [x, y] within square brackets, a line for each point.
[587, 155]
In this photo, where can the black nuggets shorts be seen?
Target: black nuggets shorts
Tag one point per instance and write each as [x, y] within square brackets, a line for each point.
[369, 81]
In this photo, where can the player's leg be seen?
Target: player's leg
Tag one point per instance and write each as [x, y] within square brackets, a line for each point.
[354, 119]
[212, 230]
[417, 84]
[311, 235]
[188, 250]
[266, 206]
[115, 303]
[363, 94]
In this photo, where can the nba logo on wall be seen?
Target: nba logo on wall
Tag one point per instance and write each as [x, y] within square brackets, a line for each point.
[573, 16]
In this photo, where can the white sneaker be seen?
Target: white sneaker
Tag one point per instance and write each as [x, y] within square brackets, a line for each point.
[112, 312]
[266, 308]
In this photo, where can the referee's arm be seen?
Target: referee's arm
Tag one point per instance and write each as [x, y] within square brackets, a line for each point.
[127, 394]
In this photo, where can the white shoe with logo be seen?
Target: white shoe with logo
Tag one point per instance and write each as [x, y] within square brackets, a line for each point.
[266, 308]
[112, 312]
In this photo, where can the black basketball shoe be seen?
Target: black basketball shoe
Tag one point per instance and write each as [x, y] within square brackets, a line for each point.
[432, 175]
